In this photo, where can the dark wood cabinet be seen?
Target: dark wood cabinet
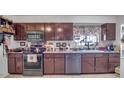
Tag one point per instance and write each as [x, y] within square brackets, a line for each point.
[11, 63]
[48, 64]
[64, 31]
[101, 64]
[68, 31]
[54, 64]
[59, 63]
[34, 26]
[19, 63]
[108, 31]
[49, 31]
[88, 63]
[20, 33]
[58, 31]
[30, 26]
[15, 63]
[114, 61]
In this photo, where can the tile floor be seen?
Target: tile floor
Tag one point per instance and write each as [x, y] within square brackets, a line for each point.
[67, 76]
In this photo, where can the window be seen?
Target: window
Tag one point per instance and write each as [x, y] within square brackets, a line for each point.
[87, 34]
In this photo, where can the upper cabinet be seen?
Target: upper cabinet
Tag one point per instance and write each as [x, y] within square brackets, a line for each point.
[21, 29]
[108, 31]
[59, 31]
[68, 31]
[49, 31]
[34, 26]
[20, 33]
[52, 31]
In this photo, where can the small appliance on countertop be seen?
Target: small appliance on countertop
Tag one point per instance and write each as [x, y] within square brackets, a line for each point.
[110, 47]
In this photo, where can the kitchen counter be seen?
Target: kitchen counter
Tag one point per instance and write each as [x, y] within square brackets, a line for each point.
[83, 51]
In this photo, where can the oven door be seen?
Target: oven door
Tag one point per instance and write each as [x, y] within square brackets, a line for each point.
[32, 65]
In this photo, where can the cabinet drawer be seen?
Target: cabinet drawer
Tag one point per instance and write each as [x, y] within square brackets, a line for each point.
[88, 59]
[48, 60]
[114, 60]
[114, 55]
[59, 55]
[102, 55]
[101, 59]
[48, 55]
[88, 55]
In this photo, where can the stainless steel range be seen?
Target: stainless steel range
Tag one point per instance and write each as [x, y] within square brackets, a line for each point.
[33, 64]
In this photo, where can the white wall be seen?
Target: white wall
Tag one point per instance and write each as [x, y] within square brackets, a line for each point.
[120, 20]
[62, 18]
[3, 63]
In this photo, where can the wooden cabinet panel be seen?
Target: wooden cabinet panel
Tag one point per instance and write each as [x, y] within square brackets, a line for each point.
[68, 31]
[88, 63]
[111, 66]
[20, 33]
[54, 64]
[101, 64]
[114, 61]
[59, 65]
[11, 63]
[30, 26]
[19, 63]
[109, 31]
[59, 31]
[39, 27]
[48, 65]
[49, 32]
[15, 61]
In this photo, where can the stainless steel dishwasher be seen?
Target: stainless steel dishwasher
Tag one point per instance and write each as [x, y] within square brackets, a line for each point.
[73, 64]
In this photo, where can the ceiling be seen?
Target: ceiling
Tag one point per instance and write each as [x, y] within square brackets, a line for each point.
[62, 18]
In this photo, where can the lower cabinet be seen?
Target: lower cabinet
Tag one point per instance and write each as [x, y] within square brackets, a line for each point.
[48, 65]
[19, 63]
[87, 63]
[11, 63]
[15, 63]
[54, 64]
[101, 63]
[59, 65]
[114, 61]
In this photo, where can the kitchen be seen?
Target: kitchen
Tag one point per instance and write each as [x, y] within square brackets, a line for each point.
[61, 46]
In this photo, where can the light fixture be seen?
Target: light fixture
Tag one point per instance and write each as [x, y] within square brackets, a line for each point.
[48, 29]
[42, 28]
[59, 29]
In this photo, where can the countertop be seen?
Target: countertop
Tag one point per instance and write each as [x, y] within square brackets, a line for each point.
[84, 51]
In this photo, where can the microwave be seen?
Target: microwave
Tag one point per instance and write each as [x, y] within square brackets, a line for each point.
[35, 36]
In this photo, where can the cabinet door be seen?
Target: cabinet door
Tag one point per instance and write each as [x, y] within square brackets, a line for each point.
[20, 33]
[101, 64]
[59, 65]
[59, 31]
[103, 32]
[111, 30]
[114, 61]
[30, 26]
[68, 31]
[39, 27]
[88, 64]
[49, 32]
[112, 66]
[19, 62]
[11, 63]
[48, 65]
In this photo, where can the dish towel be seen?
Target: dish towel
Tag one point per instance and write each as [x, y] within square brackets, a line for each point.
[32, 58]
